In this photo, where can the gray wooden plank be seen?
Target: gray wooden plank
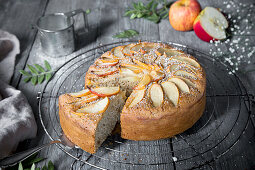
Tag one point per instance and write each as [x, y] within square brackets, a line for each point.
[19, 22]
[190, 39]
[105, 20]
[37, 56]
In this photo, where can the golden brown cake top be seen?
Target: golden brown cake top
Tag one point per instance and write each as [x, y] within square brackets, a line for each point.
[162, 78]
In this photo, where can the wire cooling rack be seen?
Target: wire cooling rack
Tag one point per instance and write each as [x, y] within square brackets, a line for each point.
[223, 123]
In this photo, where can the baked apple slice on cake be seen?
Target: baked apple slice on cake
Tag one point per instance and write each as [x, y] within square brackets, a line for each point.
[171, 92]
[156, 94]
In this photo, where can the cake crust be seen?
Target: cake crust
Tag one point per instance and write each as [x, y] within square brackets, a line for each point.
[125, 66]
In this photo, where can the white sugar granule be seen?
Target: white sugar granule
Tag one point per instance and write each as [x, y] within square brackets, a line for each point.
[232, 50]
[174, 159]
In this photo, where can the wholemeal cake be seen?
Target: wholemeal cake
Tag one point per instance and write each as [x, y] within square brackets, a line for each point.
[165, 90]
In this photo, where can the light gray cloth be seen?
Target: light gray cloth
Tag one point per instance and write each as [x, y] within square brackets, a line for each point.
[9, 48]
[17, 121]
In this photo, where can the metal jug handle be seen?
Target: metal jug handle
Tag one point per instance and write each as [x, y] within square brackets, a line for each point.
[78, 11]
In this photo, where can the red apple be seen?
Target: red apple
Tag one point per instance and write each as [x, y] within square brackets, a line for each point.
[183, 13]
[210, 24]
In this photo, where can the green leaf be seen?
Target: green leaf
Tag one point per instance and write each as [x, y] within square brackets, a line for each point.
[50, 166]
[133, 16]
[20, 166]
[47, 65]
[154, 7]
[34, 80]
[48, 76]
[27, 79]
[126, 34]
[41, 78]
[139, 15]
[37, 168]
[154, 18]
[132, 32]
[127, 13]
[28, 162]
[44, 168]
[32, 69]
[140, 6]
[88, 11]
[149, 11]
[149, 5]
[134, 5]
[165, 16]
[33, 167]
[39, 68]
[23, 72]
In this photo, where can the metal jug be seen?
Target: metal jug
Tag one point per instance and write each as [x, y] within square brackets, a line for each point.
[56, 32]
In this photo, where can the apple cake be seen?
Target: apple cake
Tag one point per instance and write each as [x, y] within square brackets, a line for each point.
[164, 87]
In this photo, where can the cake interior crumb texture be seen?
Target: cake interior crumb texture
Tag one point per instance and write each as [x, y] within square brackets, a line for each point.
[109, 119]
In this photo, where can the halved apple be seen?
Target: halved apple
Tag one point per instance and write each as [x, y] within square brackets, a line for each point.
[157, 75]
[136, 97]
[143, 65]
[187, 60]
[210, 24]
[171, 92]
[105, 91]
[146, 79]
[156, 94]
[126, 49]
[183, 73]
[117, 52]
[103, 73]
[89, 98]
[95, 108]
[80, 93]
[180, 84]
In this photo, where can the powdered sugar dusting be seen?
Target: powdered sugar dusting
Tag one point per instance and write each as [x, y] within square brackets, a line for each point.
[237, 49]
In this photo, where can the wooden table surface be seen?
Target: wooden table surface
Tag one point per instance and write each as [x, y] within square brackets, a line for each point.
[106, 19]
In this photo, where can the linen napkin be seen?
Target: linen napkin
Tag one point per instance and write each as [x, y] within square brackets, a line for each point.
[17, 121]
[9, 48]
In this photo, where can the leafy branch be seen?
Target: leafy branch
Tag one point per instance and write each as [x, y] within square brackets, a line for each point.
[37, 73]
[126, 34]
[29, 164]
[150, 11]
